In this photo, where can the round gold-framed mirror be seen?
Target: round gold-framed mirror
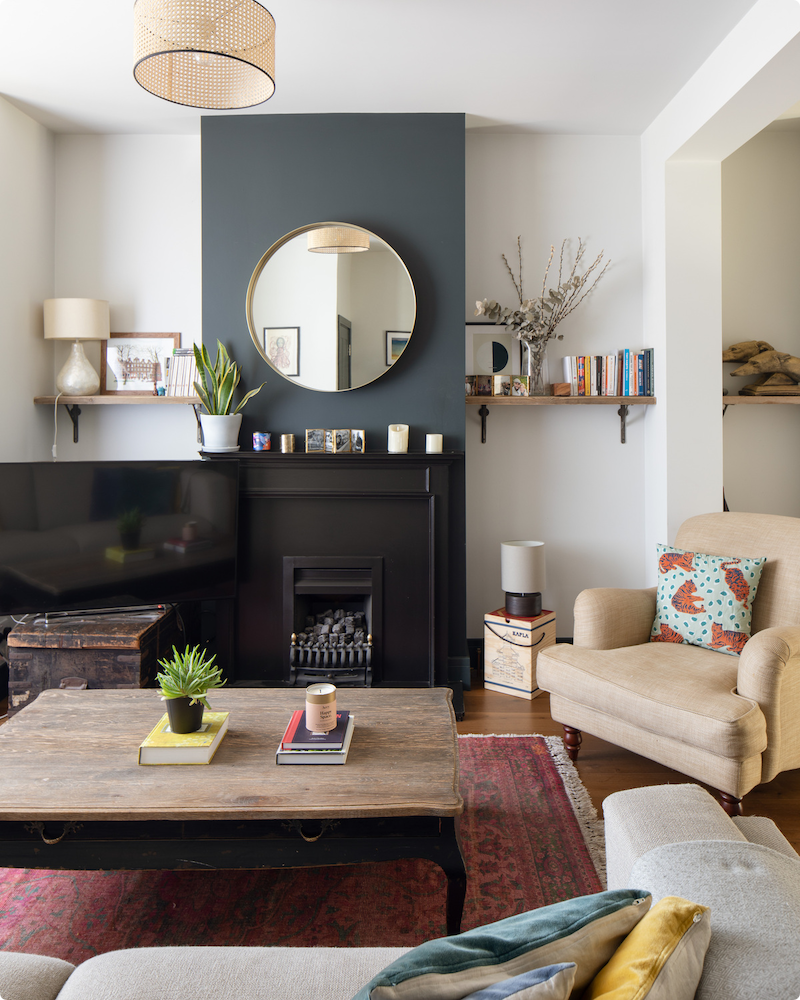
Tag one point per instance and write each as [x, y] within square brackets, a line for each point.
[331, 306]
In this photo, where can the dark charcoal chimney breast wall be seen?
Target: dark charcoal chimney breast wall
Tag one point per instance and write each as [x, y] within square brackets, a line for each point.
[402, 177]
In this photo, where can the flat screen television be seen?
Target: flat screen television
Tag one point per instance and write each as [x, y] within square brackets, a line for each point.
[78, 536]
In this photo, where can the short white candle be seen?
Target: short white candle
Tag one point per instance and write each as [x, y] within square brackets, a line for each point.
[398, 438]
[433, 443]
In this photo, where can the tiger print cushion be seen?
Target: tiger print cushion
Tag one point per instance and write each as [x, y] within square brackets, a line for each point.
[705, 600]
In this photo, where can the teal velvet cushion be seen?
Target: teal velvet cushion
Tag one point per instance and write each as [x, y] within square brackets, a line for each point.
[553, 982]
[586, 931]
[705, 600]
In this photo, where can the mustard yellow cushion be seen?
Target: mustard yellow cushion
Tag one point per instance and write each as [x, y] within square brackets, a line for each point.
[662, 957]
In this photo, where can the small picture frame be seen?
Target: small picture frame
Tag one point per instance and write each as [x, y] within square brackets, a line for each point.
[469, 385]
[396, 341]
[282, 347]
[501, 385]
[329, 449]
[489, 350]
[357, 442]
[519, 385]
[341, 441]
[136, 364]
[483, 385]
[315, 439]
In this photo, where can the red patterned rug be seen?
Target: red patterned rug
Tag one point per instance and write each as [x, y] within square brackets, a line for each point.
[529, 835]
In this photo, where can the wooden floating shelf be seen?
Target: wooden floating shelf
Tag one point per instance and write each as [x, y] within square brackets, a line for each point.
[112, 399]
[561, 400]
[761, 399]
[623, 402]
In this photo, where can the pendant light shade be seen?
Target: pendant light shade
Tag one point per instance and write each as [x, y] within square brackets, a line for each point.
[338, 239]
[217, 54]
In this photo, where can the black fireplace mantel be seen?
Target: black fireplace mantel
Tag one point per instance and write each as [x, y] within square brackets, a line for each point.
[407, 509]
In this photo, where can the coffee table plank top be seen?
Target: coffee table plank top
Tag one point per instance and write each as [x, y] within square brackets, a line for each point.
[73, 755]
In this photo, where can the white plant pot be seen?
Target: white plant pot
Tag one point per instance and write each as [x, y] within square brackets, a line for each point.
[221, 433]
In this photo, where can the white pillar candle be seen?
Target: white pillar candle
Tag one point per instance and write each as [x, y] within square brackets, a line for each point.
[433, 443]
[398, 438]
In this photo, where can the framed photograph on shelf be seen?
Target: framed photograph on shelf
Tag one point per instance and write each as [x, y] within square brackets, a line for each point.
[396, 341]
[136, 364]
[490, 350]
[315, 439]
[282, 347]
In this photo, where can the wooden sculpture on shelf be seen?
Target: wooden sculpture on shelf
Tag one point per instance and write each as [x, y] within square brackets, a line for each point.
[779, 372]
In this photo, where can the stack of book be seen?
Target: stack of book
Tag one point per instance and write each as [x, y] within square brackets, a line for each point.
[162, 746]
[627, 373]
[300, 746]
[182, 372]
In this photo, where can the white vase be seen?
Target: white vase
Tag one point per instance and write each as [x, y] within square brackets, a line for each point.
[77, 377]
[221, 433]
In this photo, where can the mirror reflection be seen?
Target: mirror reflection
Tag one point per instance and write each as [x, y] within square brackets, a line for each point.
[326, 312]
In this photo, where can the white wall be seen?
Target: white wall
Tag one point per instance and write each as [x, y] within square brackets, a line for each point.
[26, 279]
[128, 229]
[559, 474]
[761, 301]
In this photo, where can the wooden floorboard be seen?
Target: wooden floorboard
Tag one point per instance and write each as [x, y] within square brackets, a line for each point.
[604, 768]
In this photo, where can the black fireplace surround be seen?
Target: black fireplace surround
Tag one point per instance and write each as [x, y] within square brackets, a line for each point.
[307, 517]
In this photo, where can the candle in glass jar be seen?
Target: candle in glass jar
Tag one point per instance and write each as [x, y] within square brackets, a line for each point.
[398, 438]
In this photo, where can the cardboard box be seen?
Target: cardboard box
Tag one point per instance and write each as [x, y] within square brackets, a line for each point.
[511, 646]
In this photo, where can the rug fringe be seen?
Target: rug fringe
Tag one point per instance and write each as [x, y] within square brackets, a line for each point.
[591, 825]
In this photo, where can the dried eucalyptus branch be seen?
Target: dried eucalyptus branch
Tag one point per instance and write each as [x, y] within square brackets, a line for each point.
[536, 319]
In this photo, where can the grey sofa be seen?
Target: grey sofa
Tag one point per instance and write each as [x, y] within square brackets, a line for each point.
[668, 840]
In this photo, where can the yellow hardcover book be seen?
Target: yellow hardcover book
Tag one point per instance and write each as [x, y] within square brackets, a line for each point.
[162, 746]
[121, 555]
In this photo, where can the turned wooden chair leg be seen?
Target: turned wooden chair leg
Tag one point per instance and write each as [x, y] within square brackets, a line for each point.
[731, 805]
[572, 741]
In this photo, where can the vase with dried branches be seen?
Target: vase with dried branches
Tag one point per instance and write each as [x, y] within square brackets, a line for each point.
[534, 321]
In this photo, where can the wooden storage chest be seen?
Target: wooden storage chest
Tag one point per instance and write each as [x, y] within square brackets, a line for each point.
[117, 650]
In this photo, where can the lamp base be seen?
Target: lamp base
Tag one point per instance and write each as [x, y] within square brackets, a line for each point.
[523, 605]
[77, 377]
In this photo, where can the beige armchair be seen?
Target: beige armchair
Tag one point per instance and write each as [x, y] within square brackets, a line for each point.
[731, 722]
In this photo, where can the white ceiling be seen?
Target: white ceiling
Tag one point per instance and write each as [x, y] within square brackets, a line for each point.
[568, 66]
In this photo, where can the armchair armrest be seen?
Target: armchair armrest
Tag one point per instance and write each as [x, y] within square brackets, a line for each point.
[609, 617]
[769, 674]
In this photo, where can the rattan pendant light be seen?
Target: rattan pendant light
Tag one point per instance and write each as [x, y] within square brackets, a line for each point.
[338, 239]
[217, 54]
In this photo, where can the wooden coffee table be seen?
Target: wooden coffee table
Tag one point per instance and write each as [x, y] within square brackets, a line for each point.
[75, 797]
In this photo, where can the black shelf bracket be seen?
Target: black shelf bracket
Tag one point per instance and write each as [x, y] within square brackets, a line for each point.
[74, 412]
[483, 413]
[623, 416]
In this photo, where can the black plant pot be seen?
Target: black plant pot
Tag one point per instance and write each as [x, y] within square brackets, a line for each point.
[130, 539]
[184, 717]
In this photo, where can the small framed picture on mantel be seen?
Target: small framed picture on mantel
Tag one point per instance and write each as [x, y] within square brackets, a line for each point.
[136, 364]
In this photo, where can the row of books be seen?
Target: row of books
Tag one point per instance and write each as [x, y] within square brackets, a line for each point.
[181, 372]
[627, 373]
[298, 745]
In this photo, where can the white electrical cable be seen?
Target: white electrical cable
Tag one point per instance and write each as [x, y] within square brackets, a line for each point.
[55, 436]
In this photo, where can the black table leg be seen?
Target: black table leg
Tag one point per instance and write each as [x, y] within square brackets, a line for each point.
[451, 861]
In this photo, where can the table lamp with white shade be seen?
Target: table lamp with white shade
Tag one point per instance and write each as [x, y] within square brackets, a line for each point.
[522, 577]
[77, 320]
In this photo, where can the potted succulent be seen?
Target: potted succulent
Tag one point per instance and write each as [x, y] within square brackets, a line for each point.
[186, 679]
[215, 388]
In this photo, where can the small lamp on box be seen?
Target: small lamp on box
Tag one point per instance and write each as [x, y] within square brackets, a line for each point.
[522, 577]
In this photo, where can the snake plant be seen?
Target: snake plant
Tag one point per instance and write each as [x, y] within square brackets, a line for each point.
[218, 381]
[189, 675]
